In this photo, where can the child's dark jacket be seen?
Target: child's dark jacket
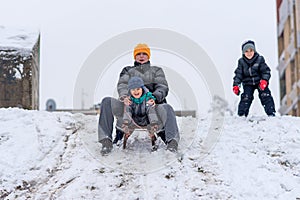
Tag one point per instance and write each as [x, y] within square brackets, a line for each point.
[139, 108]
[250, 72]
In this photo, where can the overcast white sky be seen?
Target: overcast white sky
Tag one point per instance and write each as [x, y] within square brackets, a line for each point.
[71, 30]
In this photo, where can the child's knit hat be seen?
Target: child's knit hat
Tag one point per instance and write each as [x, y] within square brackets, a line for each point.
[249, 44]
[135, 82]
[141, 48]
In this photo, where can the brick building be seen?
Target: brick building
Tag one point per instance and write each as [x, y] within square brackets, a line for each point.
[288, 34]
[19, 68]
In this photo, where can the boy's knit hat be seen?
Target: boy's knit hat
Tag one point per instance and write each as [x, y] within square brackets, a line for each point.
[249, 44]
[141, 48]
[135, 82]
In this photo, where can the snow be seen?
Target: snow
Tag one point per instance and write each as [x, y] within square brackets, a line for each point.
[20, 39]
[56, 155]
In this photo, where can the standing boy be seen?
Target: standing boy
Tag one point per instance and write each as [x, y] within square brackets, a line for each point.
[252, 73]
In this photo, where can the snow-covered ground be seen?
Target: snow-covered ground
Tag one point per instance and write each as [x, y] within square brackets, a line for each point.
[56, 156]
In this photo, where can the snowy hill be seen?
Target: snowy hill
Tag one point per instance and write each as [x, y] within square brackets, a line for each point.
[56, 156]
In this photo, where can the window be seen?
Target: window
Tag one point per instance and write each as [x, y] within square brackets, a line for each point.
[293, 71]
[280, 44]
[282, 86]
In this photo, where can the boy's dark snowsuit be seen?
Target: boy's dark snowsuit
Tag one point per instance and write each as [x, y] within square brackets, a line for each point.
[250, 73]
[139, 111]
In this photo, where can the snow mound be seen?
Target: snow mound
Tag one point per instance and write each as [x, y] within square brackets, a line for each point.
[18, 41]
[56, 156]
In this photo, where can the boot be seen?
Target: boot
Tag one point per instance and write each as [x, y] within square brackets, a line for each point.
[119, 136]
[172, 145]
[107, 146]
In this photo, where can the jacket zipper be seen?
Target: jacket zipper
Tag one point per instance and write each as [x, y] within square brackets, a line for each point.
[251, 75]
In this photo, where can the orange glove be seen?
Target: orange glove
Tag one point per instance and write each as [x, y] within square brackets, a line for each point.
[236, 90]
[263, 84]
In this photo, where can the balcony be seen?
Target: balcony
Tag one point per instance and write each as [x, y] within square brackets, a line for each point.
[294, 96]
[291, 49]
[282, 64]
[284, 12]
[283, 106]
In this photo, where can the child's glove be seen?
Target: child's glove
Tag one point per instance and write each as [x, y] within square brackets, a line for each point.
[263, 84]
[236, 90]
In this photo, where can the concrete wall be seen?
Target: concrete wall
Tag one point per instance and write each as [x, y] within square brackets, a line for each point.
[19, 78]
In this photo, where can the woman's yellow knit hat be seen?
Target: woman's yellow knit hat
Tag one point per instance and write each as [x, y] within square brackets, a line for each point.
[141, 48]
